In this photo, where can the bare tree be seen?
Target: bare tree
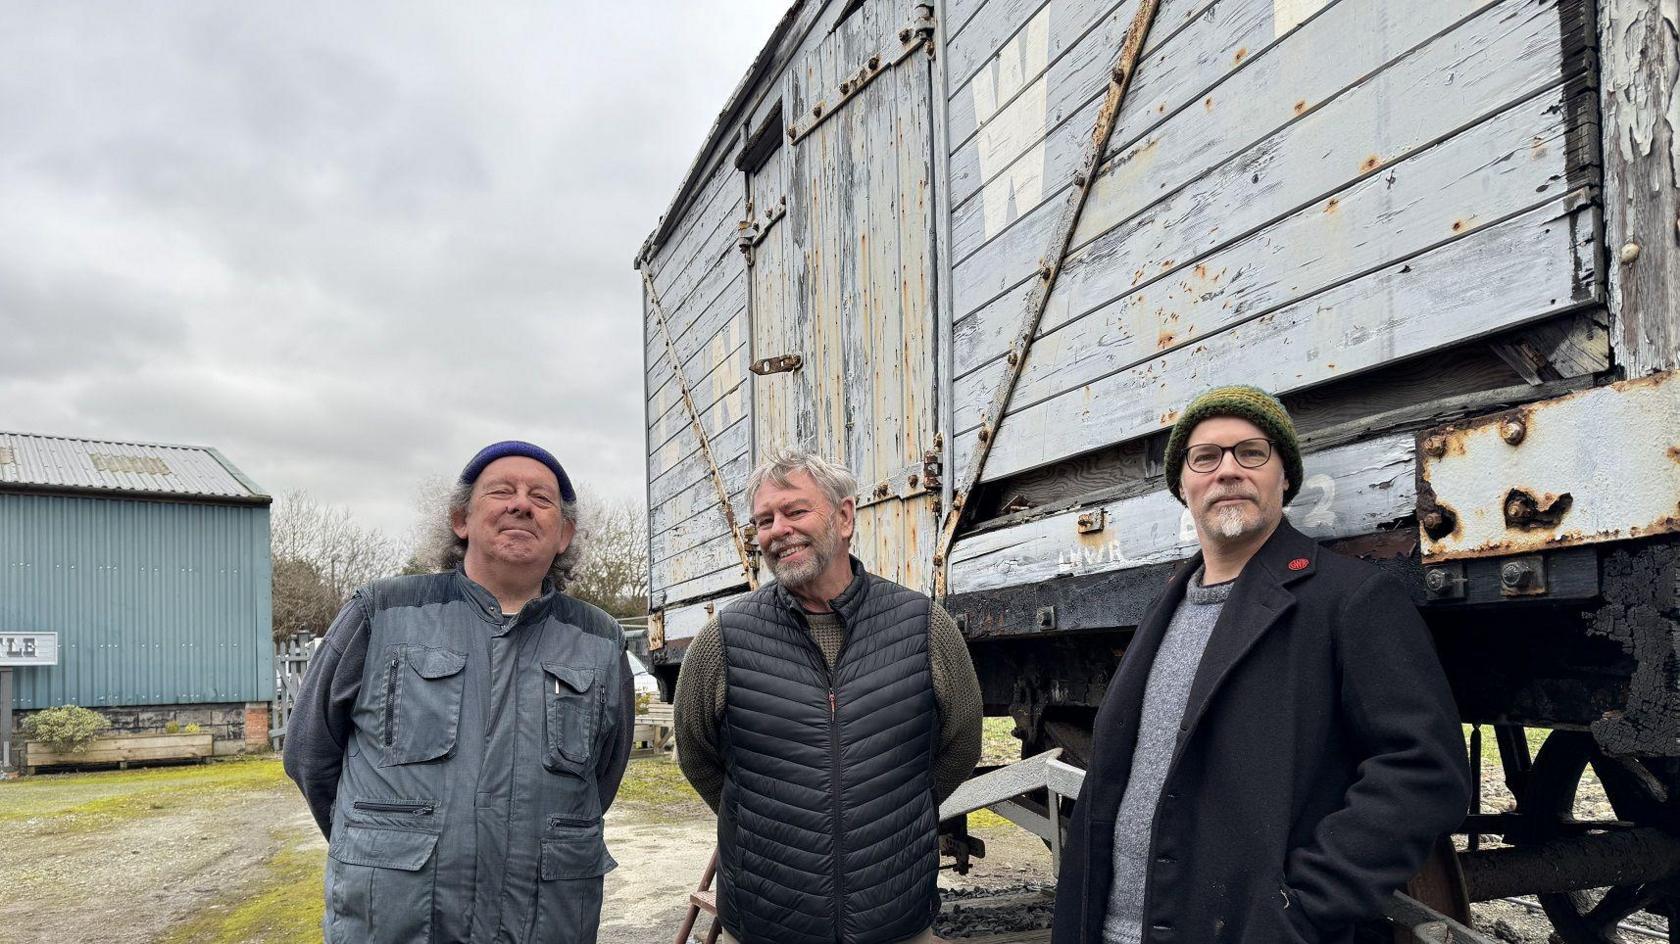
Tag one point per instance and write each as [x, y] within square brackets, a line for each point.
[320, 556]
[613, 571]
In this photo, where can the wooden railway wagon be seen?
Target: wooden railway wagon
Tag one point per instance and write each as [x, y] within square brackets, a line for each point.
[982, 250]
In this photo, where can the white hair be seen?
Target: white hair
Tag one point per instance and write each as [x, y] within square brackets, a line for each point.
[836, 483]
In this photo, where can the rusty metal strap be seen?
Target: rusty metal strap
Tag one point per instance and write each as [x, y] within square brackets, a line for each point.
[1120, 79]
[735, 534]
[913, 38]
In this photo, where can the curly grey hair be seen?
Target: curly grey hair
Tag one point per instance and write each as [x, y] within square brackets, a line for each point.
[445, 550]
[832, 479]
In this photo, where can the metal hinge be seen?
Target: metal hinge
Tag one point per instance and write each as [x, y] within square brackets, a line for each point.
[780, 364]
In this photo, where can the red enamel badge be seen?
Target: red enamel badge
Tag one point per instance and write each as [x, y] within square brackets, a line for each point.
[1299, 563]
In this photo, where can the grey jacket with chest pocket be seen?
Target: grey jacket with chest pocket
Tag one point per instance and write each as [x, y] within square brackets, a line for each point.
[460, 763]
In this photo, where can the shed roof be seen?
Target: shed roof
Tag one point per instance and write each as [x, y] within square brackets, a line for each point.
[31, 462]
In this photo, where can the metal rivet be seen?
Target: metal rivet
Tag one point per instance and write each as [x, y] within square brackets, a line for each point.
[1435, 446]
[1512, 431]
[1013, 357]
[985, 434]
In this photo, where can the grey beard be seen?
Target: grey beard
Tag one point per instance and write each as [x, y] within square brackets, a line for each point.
[794, 576]
[1230, 522]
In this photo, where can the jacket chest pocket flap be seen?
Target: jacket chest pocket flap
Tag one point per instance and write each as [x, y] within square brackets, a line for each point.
[423, 688]
[571, 715]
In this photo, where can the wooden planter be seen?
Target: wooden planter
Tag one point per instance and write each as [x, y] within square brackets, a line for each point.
[122, 750]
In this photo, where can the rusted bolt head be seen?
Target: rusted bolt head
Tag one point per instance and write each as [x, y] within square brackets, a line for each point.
[1435, 446]
[881, 490]
[1516, 575]
[1518, 510]
[793, 132]
[904, 35]
[1630, 252]
[938, 561]
[1512, 431]
[845, 87]
[1432, 520]
[1435, 580]
[914, 479]
[1079, 180]
[875, 61]
[816, 110]
[1013, 357]
[957, 500]
[985, 434]
[1118, 75]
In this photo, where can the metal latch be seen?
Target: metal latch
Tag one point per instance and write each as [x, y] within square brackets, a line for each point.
[780, 364]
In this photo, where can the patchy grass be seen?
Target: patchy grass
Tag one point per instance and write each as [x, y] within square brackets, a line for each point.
[659, 786]
[87, 801]
[284, 907]
[998, 745]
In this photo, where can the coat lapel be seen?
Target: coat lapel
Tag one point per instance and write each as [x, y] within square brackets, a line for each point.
[1259, 599]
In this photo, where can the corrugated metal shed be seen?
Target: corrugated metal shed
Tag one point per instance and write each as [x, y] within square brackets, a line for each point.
[151, 563]
[61, 463]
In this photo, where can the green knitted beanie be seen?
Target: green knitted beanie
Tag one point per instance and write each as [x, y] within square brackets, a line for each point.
[1249, 403]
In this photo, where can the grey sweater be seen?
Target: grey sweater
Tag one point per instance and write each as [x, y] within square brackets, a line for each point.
[1165, 697]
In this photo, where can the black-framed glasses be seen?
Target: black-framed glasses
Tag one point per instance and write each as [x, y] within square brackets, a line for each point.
[1250, 454]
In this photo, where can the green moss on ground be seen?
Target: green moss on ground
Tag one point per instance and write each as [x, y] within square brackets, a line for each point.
[86, 801]
[998, 744]
[654, 784]
[284, 907]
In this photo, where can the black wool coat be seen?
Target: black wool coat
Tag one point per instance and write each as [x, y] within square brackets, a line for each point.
[1319, 758]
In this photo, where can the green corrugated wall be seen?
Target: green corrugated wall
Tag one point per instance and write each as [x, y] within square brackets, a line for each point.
[155, 602]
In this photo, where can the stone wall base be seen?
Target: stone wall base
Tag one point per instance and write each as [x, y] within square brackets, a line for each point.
[238, 727]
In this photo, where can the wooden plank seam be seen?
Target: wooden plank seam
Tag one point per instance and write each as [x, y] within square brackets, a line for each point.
[718, 483]
[1120, 79]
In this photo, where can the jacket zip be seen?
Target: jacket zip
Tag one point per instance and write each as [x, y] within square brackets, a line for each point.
[569, 821]
[395, 806]
[834, 785]
[391, 701]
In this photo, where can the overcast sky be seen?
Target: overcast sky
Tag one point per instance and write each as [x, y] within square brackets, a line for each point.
[350, 243]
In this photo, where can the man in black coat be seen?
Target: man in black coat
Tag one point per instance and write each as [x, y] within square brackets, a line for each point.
[1278, 750]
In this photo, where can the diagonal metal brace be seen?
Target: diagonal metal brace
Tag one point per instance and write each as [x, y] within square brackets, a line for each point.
[1120, 80]
[735, 533]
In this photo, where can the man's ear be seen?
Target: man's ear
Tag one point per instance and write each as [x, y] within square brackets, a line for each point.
[458, 524]
[568, 531]
[847, 517]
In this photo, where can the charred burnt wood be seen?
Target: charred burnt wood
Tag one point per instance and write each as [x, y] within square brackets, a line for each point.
[1570, 863]
[1641, 615]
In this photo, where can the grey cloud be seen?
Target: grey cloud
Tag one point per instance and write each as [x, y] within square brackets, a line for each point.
[348, 244]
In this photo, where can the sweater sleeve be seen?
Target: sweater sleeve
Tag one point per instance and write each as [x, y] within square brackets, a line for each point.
[957, 690]
[320, 726]
[1413, 784]
[697, 709]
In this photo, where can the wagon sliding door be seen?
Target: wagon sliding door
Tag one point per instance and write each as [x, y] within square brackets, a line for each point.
[843, 279]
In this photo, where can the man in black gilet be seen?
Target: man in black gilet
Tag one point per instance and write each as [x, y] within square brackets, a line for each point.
[824, 717]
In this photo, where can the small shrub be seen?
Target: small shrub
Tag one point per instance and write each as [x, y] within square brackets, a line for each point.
[192, 728]
[172, 727]
[643, 700]
[67, 729]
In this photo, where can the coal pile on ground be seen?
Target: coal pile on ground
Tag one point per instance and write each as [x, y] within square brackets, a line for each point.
[972, 913]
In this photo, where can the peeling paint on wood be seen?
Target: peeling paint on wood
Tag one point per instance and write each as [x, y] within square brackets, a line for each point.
[1348, 490]
[1483, 175]
[1640, 82]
